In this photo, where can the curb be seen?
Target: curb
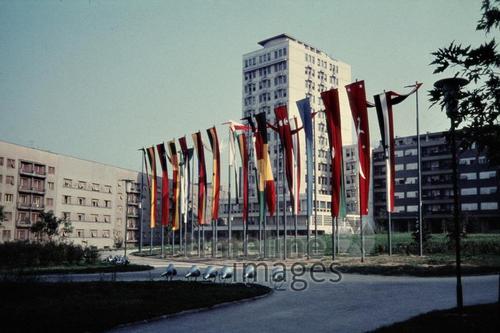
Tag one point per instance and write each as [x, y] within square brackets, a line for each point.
[193, 311]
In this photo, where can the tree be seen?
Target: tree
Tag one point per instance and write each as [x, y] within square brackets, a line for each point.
[48, 225]
[479, 111]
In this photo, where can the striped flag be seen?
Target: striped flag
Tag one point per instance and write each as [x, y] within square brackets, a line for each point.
[267, 191]
[357, 102]
[214, 143]
[153, 188]
[165, 199]
[234, 128]
[333, 125]
[174, 161]
[297, 166]
[187, 154]
[383, 104]
[306, 116]
[202, 176]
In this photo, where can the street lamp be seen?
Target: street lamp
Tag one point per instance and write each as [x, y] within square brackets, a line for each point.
[126, 181]
[450, 89]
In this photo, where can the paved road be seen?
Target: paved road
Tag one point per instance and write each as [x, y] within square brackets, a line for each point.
[358, 303]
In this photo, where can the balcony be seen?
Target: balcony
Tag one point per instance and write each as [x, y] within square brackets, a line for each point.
[30, 206]
[33, 172]
[23, 223]
[31, 189]
[132, 227]
[134, 189]
[133, 202]
[133, 214]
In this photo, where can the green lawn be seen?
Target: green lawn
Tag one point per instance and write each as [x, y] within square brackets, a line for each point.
[477, 318]
[98, 306]
[76, 269]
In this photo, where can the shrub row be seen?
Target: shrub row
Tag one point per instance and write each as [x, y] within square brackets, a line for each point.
[31, 254]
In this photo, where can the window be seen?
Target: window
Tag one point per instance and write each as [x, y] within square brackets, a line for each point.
[95, 218]
[469, 206]
[79, 233]
[66, 216]
[468, 176]
[411, 194]
[67, 182]
[52, 170]
[6, 234]
[411, 152]
[398, 153]
[399, 167]
[489, 205]
[468, 191]
[412, 208]
[95, 187]
[82, 185]
[1, 161]
[93, 233]
[95, 203]
[1, 179]
[81, 201]
[51, 185]
[107, 203]
[9, 180]
[107, 188]
[9, 197]
[488, 190]
[399, 195]
[107, 218]
[105, 234]
[487, 174]
[50, 202]
[66, 199]
[411, 166]
[11, 163]
[81, 217]
[399, 209]
[482, 160]
[467, 161]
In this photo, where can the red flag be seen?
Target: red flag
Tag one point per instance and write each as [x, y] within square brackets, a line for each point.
[242, 144]
[174, 161]
[202, 177]
[152, 163]
[165, 200]
[357, 102]
[283, 127]
[214, 143]
[332, 110]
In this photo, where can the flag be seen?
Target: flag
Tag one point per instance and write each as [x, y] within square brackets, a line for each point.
[282, 126]
[214, 143]
[383, 104]
[234, 127]
[266, 187]
[152, 163]
[174, 161]
[305, 114]
[242, 145]
[202, 176]
[357, 102]
[296, 164]
[187, 154]
[333, 125]
[165, 199]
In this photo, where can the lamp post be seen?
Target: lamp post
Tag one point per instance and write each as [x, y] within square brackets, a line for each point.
[450, 88]
[126, 181]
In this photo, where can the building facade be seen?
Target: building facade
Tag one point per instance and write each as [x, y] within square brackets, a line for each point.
[102, 202]
[478, 185]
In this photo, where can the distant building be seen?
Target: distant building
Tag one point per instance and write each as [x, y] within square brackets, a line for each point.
[478, 185]
[101, 201]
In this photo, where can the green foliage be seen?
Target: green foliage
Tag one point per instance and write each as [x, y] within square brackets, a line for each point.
[479, 111]
[48, 225]
[25, 254]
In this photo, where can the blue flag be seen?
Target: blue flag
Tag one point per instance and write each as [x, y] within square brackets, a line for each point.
[306, 116]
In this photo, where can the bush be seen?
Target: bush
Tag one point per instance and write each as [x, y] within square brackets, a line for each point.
[26, 254]
[90, 254]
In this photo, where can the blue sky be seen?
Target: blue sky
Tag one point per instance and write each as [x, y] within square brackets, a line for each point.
[99, 79]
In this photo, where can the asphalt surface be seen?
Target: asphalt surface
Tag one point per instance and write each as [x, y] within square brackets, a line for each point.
[357, 303]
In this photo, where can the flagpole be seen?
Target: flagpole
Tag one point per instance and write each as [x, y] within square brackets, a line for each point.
[283, 191]
[229, 198]
[361, 230]
[420, 226]
[192, 203]
[389, 234]
[280, 151]
[162, 243]
[150, 239]
[141, 202]
[334, 221]
[181, 203]
[315, 195]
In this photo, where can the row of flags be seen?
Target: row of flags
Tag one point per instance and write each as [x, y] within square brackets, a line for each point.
[256, 129]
